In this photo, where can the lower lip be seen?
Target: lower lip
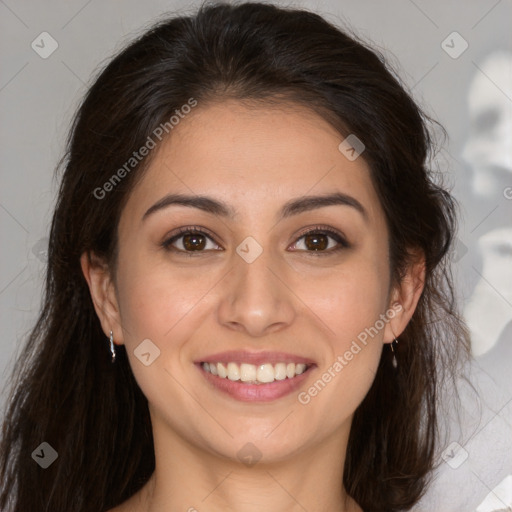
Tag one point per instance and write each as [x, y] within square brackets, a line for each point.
[255, 392]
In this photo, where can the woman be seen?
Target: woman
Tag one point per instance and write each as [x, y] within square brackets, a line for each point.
[248, 301]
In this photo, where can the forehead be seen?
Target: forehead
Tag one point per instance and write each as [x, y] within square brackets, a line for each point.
[254, 157]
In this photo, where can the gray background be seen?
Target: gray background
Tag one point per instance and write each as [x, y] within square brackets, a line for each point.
[38, 97]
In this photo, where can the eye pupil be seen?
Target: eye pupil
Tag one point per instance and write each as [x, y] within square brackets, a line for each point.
[318, 241]
[194, 241]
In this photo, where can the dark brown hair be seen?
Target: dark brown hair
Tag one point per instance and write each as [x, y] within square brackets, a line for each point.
[65, 391]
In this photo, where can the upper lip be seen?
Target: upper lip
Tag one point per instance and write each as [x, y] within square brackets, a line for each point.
[256, 358]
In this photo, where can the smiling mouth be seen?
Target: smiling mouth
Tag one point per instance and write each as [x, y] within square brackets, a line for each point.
[247, 373]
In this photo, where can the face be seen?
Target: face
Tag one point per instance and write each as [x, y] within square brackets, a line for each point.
[489, 147]
[289, 296]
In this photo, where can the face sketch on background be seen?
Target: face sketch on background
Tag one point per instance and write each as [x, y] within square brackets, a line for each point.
[488, 151]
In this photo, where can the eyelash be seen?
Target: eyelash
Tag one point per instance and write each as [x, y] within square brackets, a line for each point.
[338, 237]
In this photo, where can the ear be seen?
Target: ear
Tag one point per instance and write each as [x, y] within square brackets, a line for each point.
[103, 294]
[405, 296]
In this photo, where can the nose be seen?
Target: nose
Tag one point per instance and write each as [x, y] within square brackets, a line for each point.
[256, 298]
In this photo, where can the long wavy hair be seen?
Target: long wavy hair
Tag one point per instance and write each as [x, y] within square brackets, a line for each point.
[64, 389]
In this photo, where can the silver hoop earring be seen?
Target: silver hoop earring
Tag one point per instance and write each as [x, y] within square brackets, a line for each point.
[112, 348]
[394, 362]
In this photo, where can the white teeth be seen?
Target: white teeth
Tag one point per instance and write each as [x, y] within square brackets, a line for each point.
[252, 374]
[300, 368]
[265, 373]
[280, 371]
[221, 370]
[233, 371]
[247, 372]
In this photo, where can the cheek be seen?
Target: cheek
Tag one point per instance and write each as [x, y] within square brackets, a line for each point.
[352, 306]
[155, 298]
[352, 348]
[350, 300]
[164, 308]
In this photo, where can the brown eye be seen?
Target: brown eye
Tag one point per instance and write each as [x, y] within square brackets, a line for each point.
[193, 242]
[316, 241]
[321, 241]
[189, 241]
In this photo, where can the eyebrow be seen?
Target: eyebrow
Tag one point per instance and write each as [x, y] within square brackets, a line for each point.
[292, 207]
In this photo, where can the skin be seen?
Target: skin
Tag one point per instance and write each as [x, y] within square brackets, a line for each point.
[288, 299]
